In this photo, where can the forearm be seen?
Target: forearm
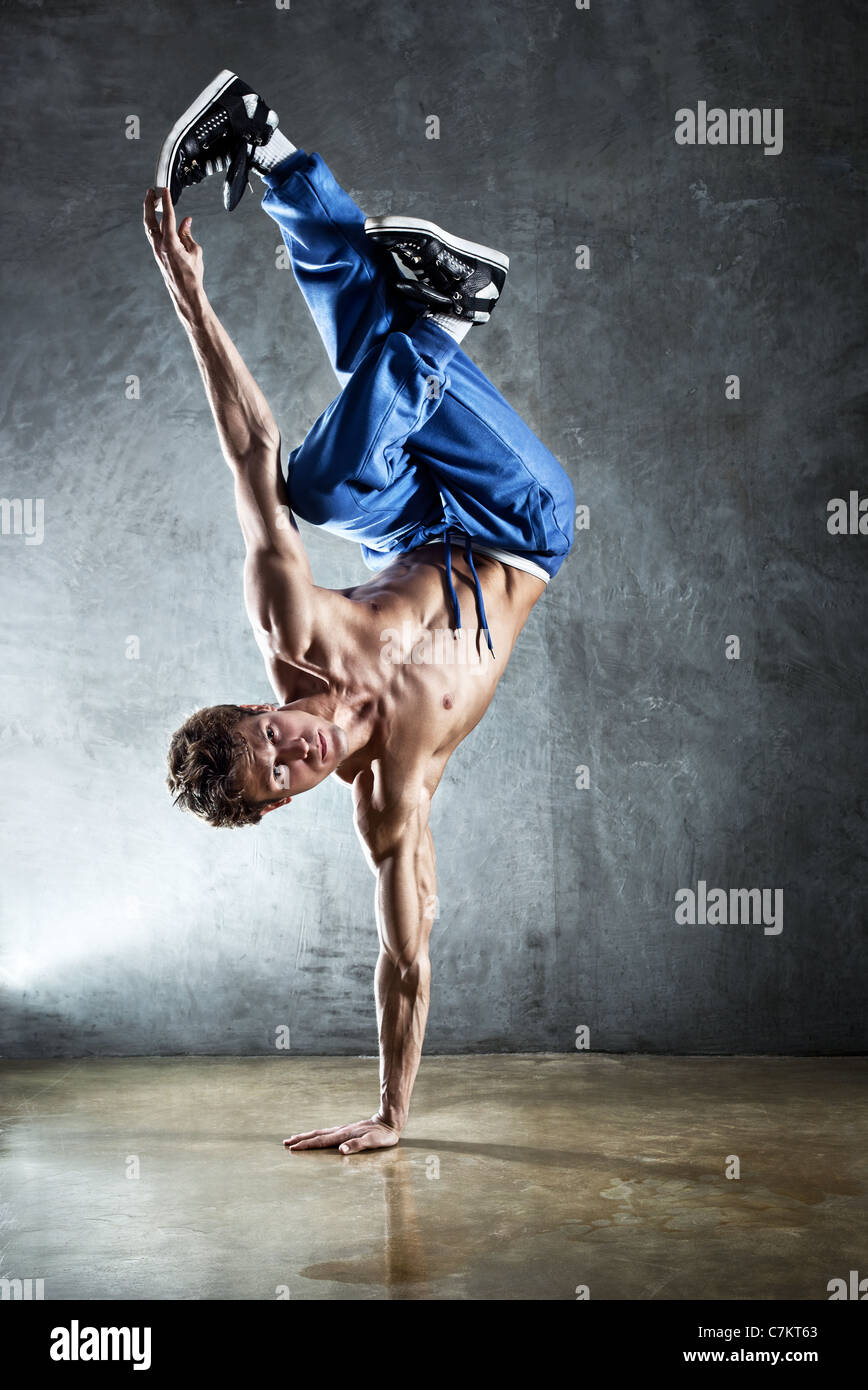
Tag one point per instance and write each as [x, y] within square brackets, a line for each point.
[245, 424]
[402, 1013]
[405, 894]
[250, 442]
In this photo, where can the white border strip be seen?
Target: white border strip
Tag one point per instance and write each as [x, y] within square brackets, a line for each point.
[506, 557]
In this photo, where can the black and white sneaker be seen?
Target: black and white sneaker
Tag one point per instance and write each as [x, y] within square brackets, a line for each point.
[442, 272]
[216, 134]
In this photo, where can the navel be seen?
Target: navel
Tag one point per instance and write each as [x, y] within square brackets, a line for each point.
[448, 701]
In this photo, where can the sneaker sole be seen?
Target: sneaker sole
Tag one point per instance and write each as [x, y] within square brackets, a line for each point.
[198, 108]
[487, 254]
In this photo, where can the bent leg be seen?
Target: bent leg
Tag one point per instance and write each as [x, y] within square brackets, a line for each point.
[337, 270]
[499, 483]
[354, 474]
[418, 440]
[412, 447]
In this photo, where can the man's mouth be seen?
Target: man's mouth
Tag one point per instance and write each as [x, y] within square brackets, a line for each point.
[323, 746]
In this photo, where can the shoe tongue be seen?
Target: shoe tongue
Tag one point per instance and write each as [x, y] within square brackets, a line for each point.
[236, 177]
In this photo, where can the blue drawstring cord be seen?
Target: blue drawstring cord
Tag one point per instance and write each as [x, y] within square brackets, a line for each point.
[456, 610]
[483, 621]
[480, 605]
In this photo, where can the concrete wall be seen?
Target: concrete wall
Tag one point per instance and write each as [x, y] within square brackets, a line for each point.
[131, 929]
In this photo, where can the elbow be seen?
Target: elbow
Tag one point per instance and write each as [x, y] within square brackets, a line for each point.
[413, 969]
[255, 449]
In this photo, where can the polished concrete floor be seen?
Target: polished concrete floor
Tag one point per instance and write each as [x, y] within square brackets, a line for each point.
[518, 1177]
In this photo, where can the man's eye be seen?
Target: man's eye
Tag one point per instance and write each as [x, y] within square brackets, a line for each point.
[269, 732]
[278, 773]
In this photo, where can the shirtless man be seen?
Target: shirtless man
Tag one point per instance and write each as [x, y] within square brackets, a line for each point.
[457, 505]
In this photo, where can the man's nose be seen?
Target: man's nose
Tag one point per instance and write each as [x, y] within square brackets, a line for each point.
[297, 748]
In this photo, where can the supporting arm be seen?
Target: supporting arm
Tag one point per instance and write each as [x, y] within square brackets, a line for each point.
[405, 905]
[400, 850]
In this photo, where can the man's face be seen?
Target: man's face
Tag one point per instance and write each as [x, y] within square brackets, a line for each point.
[287, 751]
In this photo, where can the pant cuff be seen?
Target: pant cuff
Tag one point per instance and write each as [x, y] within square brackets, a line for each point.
[287, 167]
[432, 341]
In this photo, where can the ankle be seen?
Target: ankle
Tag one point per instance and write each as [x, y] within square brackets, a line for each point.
[456, 327]
[267, 157]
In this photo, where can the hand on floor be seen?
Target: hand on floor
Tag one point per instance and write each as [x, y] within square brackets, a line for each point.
[349, 1139]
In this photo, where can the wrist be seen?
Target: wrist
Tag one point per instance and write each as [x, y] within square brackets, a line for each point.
[391, 1118]
[192, 308]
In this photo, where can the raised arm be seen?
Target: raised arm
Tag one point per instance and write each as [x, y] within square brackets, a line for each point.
[278, 584]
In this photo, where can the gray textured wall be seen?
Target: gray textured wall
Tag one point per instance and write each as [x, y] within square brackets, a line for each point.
[129, 928]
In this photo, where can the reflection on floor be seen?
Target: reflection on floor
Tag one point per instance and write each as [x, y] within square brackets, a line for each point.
[517, 1178]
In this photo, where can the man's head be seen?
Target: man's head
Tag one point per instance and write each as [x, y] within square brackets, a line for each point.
[230, 764]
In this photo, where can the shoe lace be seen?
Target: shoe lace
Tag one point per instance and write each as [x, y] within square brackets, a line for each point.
[444, 264]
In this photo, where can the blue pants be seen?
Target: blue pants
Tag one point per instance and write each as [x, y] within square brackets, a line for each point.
[419, 443]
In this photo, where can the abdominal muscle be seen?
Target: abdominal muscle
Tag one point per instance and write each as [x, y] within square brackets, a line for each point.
[437, 683]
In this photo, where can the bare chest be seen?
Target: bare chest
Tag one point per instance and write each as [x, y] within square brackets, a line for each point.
[436, 680]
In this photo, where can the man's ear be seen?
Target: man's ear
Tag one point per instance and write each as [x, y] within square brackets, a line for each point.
[274, 805]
